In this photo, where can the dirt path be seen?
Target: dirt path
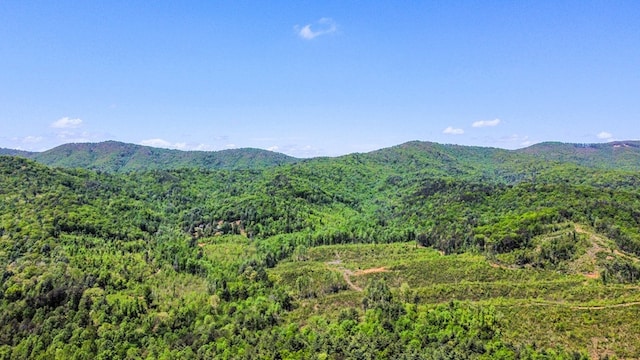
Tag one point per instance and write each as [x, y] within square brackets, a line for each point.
[598, 244]
[347, 274]
[597, 307]
[634, 303]
[586, 264]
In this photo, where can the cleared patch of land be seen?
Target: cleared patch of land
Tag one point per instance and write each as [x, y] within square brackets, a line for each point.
[548, 307]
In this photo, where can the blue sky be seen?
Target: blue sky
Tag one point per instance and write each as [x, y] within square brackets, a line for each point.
[318, 78]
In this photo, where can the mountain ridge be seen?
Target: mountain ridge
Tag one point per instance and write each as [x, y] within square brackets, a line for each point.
[115, 156]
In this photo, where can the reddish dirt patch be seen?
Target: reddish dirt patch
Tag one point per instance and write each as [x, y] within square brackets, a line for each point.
[347, 279]
[347, 274]
[592, 275]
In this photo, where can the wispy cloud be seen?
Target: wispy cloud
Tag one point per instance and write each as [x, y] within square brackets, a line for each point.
[73, 136]
[161, 143]
[66, 123]
[486, 123]
[324, 26]
[603, 135]
[516, 140]
[31, 139]
[273, 148]
[300, 151]
[453, 131]
[72, 130]
[202, 147]
[184, 146]
[29, 142]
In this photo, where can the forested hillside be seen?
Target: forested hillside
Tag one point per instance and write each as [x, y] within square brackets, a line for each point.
[113, 156]
[621, 155]
[419, 251]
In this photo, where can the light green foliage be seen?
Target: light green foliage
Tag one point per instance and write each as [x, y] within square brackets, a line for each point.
[351, 257]
[521, 297]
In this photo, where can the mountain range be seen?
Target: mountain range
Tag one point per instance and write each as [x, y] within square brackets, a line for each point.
[113, 156]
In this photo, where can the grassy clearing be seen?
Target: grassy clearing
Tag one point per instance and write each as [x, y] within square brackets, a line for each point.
[227, 248]
[549, 307]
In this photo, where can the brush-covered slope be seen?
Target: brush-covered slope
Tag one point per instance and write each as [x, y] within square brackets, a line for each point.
[112, 156]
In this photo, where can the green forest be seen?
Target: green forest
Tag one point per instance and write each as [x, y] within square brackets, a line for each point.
[418, 251]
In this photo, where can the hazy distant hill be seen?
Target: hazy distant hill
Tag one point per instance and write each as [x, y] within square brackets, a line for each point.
[13, 152]
[623, 155]
[441, 159]
[620, 155]
[113, 156]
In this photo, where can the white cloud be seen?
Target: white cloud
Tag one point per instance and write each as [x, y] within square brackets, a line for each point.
[300, 151]
[29, 142]
[273, 148]
[66, 123]
[453, 131]
[161, 143]
[31, 139]
[603, 135]
[202, 147]
[324, 26]
[73, 130]
[486, 123]
[155, 143]
[516, 140]
[75, 136]
[230, 146]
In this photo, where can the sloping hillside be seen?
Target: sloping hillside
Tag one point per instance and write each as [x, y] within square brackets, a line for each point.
[112, 156]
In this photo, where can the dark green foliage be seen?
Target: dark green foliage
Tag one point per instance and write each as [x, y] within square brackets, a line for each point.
[621, 271]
